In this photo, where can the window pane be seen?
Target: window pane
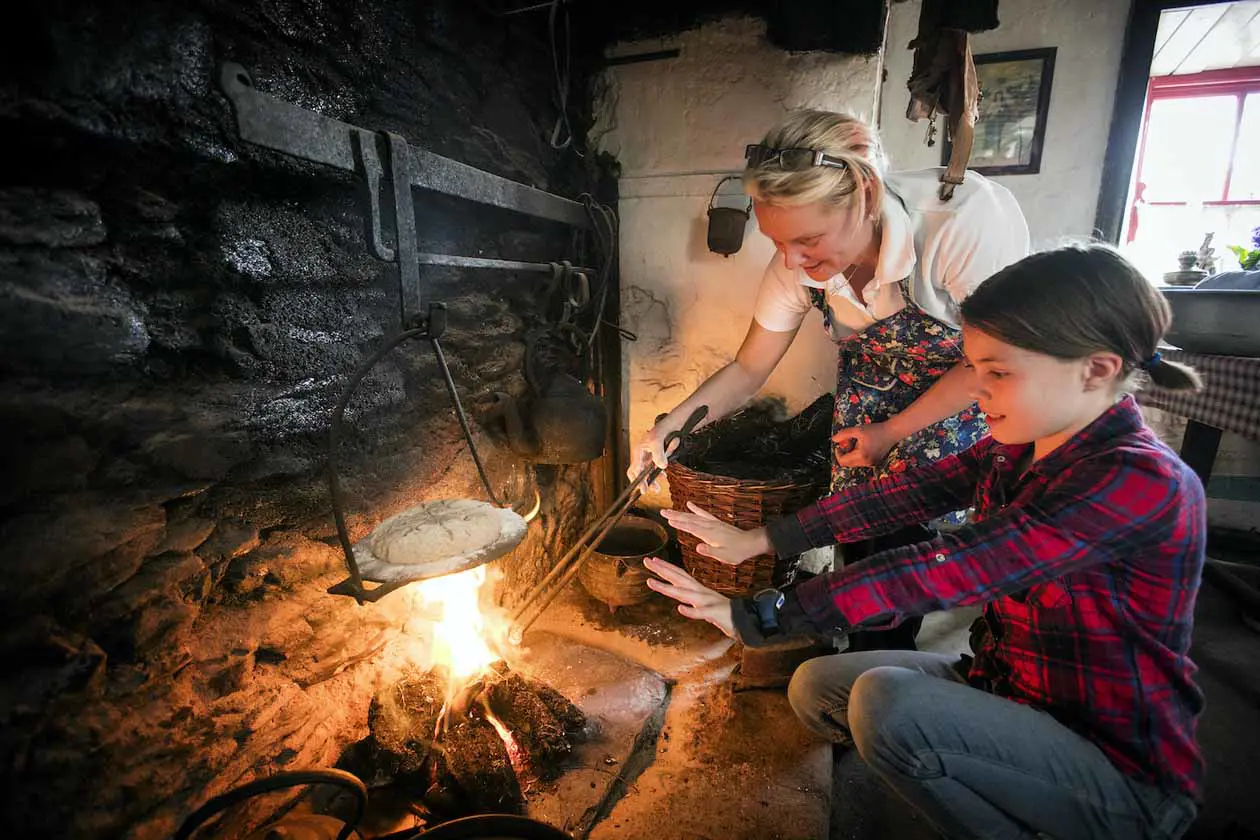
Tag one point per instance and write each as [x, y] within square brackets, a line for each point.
[1187, 148]
[1245, 183]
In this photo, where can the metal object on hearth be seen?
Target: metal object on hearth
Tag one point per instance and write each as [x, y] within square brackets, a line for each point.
[492, 827]
[615, 573]
[306, 826]
[489, 530]
[295, 826]
[476, 532]
[568, 566]
[561, 422]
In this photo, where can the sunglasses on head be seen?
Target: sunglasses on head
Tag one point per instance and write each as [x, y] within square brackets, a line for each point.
[790, 160]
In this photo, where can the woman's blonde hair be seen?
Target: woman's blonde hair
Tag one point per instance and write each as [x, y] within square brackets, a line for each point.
[841, 136]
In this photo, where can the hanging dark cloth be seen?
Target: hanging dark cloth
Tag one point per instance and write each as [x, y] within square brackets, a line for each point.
[943, 80]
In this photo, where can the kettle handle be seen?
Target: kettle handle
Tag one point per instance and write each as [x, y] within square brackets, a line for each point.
[280, 781]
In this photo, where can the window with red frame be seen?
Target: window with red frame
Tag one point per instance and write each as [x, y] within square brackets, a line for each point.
[1201, 140]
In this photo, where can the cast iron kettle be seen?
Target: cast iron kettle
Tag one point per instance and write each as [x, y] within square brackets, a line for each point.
[562, 423]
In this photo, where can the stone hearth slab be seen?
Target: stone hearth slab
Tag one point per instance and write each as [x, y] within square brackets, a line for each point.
[620, 697]
[727, 764]
[731, 765]
[651, 634]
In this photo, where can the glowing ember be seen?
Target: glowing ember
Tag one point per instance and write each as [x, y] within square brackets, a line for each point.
[509, 741]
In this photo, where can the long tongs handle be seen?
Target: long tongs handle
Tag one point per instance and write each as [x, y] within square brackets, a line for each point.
[541, 596]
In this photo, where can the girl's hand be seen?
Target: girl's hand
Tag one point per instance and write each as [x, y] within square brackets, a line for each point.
[695, 599]
[725, 543]
[868, 445]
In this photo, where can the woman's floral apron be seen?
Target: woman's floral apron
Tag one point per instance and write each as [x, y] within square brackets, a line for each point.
[882, 370]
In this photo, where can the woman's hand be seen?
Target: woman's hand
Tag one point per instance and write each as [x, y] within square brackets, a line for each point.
[695, 600]
[868, 444]
[722, 542]
[723, 392]
[650, 450]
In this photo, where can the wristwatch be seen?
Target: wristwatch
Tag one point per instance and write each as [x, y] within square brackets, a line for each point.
[768, 602]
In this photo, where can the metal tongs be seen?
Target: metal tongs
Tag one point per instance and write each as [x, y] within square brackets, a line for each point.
[541, 596]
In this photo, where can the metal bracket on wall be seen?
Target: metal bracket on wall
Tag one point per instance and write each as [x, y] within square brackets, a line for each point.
[266, 121]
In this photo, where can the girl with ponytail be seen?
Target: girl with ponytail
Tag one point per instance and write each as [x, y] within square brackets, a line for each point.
[1076, 716]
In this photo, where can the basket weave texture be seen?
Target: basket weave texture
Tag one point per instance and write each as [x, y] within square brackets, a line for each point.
[746, 503]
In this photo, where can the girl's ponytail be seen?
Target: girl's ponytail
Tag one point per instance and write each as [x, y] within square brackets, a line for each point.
[1172, 375]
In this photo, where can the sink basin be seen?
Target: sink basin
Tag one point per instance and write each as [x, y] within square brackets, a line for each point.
[1216, 321]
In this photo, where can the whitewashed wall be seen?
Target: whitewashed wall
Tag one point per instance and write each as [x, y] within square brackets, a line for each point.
[1059, 201]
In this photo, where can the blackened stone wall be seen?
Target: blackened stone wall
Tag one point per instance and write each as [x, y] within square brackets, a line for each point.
[178, 312]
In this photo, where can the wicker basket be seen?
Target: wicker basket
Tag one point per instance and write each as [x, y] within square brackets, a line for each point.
[748, 504]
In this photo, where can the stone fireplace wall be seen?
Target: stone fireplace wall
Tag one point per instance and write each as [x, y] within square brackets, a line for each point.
[178, 313]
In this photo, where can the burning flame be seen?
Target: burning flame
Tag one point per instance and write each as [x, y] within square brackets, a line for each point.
[459, 634]
[509, 740]
[459, 630]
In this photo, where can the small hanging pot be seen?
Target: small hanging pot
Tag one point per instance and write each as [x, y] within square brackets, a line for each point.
[727, 224]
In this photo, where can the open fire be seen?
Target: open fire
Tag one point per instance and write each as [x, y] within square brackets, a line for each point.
[457, 636]
[460, 732]
[509, 740]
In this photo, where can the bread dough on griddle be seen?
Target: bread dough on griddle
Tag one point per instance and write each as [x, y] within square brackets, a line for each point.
[444, 533]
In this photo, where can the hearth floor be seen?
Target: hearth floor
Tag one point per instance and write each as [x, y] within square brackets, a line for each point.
[676, 753]
[724, 765]
[738, 765]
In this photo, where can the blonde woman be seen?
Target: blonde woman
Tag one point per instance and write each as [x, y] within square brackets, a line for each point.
[887, 263]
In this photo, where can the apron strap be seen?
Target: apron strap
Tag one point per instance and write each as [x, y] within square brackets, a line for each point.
[907, 291]
[907, 288]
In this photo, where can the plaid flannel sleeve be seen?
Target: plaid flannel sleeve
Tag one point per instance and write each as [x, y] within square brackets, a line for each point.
[1097, 510]
[882, 506]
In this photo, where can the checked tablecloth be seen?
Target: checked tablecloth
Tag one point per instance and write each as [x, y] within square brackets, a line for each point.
[1230, 399]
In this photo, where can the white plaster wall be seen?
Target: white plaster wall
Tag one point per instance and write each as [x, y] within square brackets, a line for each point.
[1061, 200]
[677, 126]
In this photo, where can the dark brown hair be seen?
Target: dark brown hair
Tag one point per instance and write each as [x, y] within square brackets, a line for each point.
[1078, 300]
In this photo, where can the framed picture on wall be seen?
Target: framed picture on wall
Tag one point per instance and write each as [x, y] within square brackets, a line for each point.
[1014, 104]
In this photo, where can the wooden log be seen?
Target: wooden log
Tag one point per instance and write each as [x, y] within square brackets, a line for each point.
[569, 715]
[543, 723]
[402, 718]
[472, 762]
[466, 768]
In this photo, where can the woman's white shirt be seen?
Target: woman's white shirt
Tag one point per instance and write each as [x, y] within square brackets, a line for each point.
[943, 248]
